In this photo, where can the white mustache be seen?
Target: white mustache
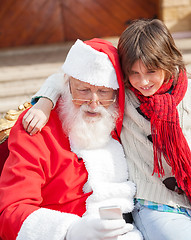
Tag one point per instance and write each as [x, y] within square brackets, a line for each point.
[98, 109]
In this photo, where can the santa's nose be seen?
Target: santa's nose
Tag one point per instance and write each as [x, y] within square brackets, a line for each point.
[94, 101]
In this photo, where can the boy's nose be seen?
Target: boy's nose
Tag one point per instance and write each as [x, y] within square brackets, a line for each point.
[144, 81]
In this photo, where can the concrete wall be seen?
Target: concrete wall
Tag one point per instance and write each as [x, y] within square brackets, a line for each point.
[176, 14]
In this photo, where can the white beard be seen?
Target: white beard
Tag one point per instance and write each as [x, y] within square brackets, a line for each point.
[86, 132]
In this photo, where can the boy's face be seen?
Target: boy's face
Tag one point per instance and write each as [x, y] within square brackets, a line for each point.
[146, 81]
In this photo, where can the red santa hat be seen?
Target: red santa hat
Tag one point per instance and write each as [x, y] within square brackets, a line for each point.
[96, 61]
[90, 65]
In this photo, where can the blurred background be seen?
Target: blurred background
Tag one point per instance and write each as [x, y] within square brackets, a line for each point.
[35, 35]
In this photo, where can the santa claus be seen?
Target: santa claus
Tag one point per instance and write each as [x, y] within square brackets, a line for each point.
[53, 183]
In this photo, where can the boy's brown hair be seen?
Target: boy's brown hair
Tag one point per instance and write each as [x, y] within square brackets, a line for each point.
[151, 42]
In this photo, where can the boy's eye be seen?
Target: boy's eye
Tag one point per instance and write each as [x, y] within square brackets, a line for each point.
[133, 73]
[151, 71]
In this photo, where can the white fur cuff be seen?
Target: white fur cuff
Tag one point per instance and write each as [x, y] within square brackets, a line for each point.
[46, 224]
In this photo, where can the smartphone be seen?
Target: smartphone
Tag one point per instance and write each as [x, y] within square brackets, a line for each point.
[110, 212]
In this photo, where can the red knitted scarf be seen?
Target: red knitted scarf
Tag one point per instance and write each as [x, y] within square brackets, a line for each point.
[166, 132]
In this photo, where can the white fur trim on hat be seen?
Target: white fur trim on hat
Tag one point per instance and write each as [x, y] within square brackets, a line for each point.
[89, 65]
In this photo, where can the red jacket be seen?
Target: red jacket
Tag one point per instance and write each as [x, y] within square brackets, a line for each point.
[48, 165]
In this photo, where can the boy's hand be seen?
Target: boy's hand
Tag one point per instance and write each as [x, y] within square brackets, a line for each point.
[37, 116]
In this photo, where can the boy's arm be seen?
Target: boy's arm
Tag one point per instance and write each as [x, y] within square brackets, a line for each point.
[44, 100]
[50, 89]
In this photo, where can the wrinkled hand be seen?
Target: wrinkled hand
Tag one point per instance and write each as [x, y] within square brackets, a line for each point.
[37, 116]
[89, 228]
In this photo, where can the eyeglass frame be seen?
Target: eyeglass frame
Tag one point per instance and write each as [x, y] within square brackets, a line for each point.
[98, 102]
[88, 102]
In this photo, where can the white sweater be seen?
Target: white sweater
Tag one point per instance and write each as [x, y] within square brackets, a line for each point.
[139, 152]
[138, 148]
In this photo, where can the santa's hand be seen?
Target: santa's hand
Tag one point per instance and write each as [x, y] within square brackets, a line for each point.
[37, 116]
[88, 228]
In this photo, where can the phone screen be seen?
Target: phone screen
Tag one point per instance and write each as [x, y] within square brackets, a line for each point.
[110, 212]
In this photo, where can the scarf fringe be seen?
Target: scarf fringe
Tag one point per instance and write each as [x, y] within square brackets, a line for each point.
[169, 141]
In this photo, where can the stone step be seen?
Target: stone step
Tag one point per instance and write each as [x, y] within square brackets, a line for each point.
[20, 87]
[183, 44]
[19, 83]
[34, 71]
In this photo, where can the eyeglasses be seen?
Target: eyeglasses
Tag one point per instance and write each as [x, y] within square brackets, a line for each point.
[104, 103]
